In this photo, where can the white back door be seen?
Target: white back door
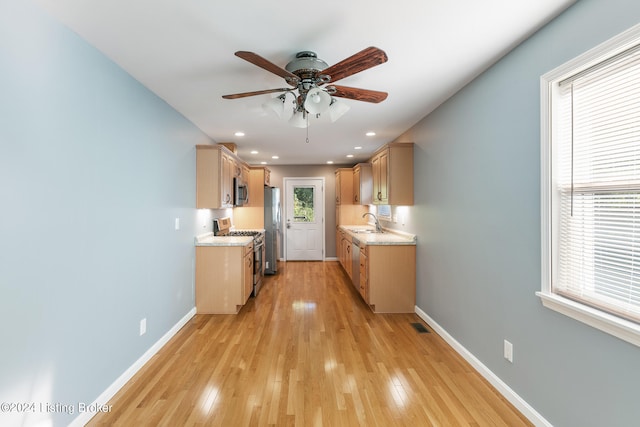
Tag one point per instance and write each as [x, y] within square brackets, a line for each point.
[304, 219]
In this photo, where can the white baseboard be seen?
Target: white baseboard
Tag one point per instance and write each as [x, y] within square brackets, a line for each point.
[526, 409]
[85, 417]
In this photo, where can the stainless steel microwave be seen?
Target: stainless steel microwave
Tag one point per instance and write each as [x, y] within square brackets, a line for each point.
[240, 193]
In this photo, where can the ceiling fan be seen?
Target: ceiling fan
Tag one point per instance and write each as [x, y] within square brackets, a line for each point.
[313, 79]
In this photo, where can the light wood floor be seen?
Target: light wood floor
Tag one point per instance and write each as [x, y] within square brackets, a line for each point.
[307, 351]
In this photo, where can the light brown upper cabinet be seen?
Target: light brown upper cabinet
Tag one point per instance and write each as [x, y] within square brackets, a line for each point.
[362, 184]
[215, 169]
[258, 179]
[392, 170]
[344, 186]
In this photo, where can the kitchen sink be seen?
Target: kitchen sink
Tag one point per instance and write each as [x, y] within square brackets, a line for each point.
[360, 231]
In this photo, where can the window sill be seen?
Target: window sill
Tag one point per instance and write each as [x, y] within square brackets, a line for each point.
[621, 328]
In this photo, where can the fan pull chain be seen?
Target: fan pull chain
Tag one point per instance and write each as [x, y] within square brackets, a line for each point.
[307, 128]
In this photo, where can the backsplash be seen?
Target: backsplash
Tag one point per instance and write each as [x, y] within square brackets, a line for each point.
[205, 218]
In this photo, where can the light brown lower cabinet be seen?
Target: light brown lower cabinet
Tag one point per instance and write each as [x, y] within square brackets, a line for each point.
[388, 278]
[224, 278]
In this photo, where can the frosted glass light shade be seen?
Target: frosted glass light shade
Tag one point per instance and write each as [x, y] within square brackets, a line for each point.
[337, 109]
[317, 101]
[275, 105]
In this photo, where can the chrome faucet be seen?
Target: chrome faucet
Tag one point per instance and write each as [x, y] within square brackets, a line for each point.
[378, 228]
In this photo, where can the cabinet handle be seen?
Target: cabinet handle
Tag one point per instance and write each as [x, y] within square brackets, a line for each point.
[228, 199]
[379, 195]
[355, 198]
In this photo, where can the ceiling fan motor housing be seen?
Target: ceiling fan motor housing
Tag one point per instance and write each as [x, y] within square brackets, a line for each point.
[306, 65]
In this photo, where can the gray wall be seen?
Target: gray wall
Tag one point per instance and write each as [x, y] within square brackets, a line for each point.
[477, 215]
[93, 171]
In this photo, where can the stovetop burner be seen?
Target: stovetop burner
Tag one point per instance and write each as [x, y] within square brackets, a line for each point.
[244, 233]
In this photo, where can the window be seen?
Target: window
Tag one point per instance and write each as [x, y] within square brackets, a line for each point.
[591, 187]
[384, 212]
[303, 204]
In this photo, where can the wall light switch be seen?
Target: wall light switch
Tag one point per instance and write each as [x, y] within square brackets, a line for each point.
[143, 326]
[508, 351]
[177, 224]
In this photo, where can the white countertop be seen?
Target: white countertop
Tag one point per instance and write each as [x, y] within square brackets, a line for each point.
[388, 237]
[208, 239]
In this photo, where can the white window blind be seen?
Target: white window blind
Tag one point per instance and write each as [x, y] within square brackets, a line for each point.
[597, 179]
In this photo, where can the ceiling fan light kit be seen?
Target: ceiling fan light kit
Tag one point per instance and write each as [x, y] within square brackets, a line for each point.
[337, 109]
[281, 105]
[308, 75]
[317, 101]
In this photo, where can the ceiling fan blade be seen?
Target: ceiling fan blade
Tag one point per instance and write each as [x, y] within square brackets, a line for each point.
[256, 59]
[365, 95]
[257, 92]
[365, 59]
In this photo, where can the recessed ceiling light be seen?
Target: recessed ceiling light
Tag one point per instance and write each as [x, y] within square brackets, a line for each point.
[254, 152]
[329, 162]
[275, 157]
[263, 163]
[370, 134]
[357, 148]
[349, 155]
[239, 133]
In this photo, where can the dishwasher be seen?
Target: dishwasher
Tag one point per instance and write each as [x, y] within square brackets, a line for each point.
[355, 259]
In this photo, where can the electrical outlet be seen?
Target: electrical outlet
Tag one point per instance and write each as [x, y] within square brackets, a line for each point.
[177, 224]
[143, 326]
[508, 351]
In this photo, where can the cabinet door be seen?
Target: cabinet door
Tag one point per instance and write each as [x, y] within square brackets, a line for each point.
[380, 165]
[248, 276]
[364, 284]
[227, 181]
[344, 186]
[356, 185]
[362, 184]
[237, 169]
[375, 172]
[347, 257]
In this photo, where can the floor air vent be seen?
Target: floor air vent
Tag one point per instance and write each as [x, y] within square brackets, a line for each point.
[420, 328]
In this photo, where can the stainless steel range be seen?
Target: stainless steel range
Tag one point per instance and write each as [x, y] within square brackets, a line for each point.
[222, 227]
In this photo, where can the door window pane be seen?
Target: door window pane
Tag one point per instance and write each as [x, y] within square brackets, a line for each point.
[303, 204]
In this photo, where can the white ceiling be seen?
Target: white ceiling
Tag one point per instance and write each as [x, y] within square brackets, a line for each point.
[183, 50]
